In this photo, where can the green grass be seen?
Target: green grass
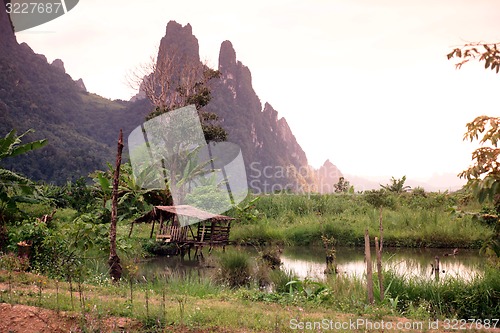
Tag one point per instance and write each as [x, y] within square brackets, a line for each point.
[233, 297]
[479, 298]
[235, 268]
[199, 301]
[414, 221]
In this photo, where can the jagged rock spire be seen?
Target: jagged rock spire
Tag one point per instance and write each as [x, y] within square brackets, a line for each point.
[7, 36]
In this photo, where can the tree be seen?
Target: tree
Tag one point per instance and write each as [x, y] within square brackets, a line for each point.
[379, 199]
[175, 80]
[488, 53]
[115, 268]
[484, 174]
[396, 185]
[133, 200]
[342, 186]
[178, 79]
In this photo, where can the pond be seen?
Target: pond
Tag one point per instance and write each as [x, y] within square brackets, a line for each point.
[310, 262]
[466, 264]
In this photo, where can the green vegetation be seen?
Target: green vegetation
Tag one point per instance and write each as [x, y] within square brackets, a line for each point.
[81, 128]
[479, 298]
[68, 252]
[194, 300]
[413, 219]
[14, 188]
[397, 185]
[484, 175]
[235, 269]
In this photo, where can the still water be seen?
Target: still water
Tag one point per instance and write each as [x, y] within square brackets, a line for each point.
[310, 262]
[405, 262]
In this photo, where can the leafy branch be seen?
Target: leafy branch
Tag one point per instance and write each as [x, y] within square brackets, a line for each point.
[488, 53]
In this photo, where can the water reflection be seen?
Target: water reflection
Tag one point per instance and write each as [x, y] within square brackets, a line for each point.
[310, 262]
[410, 263]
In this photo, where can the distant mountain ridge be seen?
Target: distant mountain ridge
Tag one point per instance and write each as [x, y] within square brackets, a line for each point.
[438, 182]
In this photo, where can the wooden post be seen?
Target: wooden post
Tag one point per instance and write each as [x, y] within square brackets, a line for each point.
[369, 274]
[378, 252]
[379, 256]
[162, 231]
[152, 228]
[131, 228]
[202, 232]
[115, 269]
[381, 229]
[436, 267]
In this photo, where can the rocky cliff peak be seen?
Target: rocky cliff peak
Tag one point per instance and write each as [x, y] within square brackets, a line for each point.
[179, 41]
[58, 63]
[81, 85]
[327, 176]
[236, 77]
[266, 140]
[267, 143]
[270, 112]
[7, 36]
[227, 56]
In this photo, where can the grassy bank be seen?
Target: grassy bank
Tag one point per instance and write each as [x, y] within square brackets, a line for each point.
[411, 220]
[243, 295]
[231, 300]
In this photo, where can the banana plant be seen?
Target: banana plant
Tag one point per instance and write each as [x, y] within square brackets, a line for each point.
[132, 198]
[15, 188]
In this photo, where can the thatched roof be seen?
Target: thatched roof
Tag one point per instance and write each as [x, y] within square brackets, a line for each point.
[190, 211]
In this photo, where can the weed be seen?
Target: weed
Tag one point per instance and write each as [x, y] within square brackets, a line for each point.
[234, 268]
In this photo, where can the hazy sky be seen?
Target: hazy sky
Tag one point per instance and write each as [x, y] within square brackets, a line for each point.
[363, 83]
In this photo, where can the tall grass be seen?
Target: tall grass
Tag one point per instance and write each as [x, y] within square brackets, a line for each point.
[414, 221]
[235, 268]
[479, 298]
[198, 301]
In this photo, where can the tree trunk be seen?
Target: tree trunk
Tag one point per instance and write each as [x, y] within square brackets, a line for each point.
[369, 274]
[115, 269]
[3, 236]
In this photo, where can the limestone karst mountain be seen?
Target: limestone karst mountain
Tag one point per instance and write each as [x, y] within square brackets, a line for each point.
[82, 127]
[272, 154]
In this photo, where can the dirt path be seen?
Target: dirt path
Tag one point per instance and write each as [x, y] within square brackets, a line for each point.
[30, 319]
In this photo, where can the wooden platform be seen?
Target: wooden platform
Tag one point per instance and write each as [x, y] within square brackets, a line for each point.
[213, 229]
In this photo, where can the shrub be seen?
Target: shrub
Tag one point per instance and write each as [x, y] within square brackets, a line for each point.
[11, 262]
[235, 268]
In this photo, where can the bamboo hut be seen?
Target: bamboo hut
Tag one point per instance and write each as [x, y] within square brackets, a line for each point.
[202, 229]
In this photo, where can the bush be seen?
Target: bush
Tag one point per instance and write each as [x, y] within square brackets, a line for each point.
[11, 262]
[235, 268]
[280, 279]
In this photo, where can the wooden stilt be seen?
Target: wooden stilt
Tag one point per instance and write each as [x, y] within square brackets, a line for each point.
[369, 274]
[152, 229]
[436, 267]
